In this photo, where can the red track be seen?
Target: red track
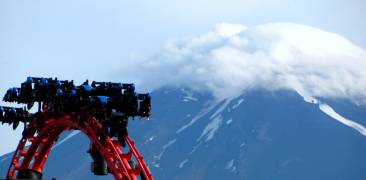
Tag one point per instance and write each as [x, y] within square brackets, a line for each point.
[34, 156]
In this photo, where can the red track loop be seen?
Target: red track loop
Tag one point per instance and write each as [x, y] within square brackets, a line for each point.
[34, 156]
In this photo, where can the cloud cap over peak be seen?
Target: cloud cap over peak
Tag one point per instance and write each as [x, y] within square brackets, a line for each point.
[233, 58]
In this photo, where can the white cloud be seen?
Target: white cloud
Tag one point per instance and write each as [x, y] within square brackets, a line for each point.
[233, 58]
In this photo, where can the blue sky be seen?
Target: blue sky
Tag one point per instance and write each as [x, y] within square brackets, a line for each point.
[79, 39]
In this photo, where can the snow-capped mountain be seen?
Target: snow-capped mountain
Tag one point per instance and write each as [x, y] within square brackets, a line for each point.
[249, 111]
[258, 135]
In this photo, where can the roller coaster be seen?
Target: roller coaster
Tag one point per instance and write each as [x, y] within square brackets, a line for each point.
[100, 110]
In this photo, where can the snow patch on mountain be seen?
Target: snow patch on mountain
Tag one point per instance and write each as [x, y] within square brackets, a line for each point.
[230, 166]
[222, 107]
[242, 144]
[229, 121]
[165, 147]
[150, 139]
[330, 112]
[202, 113]
[72, 134]
[216, 121]
[183, 163]
[237, 104]
[309, 99]
[195, 147]
[188, 96]
[211, 128]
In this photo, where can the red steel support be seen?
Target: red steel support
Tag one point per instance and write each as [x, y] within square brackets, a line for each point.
[48, 129]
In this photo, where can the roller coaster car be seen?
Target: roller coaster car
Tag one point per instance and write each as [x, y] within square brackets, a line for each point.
[10, 115]
[29, 174]
[111, 89]
[145, 105]
[2, 114]
[13, 116]
[41, 90]
[128, 88]
[101, 110]
[26, 92]
[99, 165]
[11, 95]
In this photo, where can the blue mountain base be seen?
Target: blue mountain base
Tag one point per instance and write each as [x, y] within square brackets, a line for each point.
[259, 135]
